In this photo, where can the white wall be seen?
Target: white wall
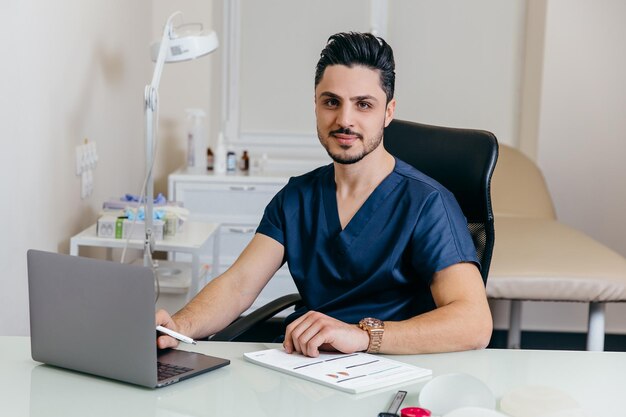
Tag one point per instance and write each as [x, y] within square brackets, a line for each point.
[581, 142]
[71, 70]
[582, 137]
[459, 63]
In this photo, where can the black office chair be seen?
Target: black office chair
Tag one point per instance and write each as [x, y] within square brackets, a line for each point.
[462, 160]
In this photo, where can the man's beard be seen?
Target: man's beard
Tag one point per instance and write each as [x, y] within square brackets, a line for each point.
[368, 145]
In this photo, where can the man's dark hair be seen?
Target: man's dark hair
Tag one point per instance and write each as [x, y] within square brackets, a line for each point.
[354, 48]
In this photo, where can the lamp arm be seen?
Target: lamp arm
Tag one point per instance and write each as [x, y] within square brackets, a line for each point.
[150, 108]
[165, 41]
[151, 101]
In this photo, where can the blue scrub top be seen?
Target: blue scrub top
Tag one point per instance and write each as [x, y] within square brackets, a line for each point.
[381, 265]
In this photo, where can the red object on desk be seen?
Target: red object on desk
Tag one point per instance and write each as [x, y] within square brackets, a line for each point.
[414, 412]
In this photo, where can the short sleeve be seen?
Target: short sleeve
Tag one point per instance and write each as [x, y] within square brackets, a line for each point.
[441, 238]
[273, 221]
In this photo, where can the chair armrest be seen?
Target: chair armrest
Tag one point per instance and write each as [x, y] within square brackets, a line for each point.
[269, 310]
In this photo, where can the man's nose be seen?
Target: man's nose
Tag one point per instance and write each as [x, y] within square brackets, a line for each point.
[345, 116]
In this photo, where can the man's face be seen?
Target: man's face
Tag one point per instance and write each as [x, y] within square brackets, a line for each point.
[351, 112]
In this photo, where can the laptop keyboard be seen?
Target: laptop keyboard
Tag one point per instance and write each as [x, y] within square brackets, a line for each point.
[166, 370]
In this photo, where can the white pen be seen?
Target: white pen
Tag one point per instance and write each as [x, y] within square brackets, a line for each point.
[176, 335]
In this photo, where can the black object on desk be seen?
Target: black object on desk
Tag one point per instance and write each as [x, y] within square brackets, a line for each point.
[392, 411]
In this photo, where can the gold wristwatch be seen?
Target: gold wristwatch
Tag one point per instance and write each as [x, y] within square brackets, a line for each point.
[375, 328]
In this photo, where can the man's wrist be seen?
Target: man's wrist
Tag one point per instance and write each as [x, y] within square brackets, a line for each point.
[364, 339]
[183, 325]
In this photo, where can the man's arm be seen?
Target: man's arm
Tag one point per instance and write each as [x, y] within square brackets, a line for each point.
[461, 321]
[223, 299]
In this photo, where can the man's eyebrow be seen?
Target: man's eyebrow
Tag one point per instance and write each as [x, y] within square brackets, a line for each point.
[353, 99]
[328, 94]
[365, 97]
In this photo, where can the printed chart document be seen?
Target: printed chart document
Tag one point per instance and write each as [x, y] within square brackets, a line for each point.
[354, 373]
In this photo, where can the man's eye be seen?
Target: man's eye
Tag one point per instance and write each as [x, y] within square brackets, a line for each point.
[331, 102]
[364, 105]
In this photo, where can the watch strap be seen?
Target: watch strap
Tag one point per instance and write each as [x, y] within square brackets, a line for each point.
[375, 329]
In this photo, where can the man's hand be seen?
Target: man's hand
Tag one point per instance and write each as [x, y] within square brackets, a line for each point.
[164, 319]
[314, 331]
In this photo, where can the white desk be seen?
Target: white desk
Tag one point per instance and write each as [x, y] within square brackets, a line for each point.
[594, 379]
[192, 239]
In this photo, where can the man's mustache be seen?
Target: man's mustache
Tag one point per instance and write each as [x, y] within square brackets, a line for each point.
[346, 131]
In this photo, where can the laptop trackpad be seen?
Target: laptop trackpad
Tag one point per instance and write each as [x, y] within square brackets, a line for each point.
[191, 363]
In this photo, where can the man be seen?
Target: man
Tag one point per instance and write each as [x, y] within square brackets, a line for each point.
[380, 253]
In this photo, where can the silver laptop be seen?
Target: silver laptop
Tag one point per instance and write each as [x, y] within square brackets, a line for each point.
[97, 317]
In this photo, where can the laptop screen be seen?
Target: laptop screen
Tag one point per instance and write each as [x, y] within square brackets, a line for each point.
[93, 316]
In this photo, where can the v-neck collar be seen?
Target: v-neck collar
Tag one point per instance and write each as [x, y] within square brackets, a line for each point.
[363, 215]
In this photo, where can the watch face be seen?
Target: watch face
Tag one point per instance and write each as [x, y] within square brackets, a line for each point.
[372, 323]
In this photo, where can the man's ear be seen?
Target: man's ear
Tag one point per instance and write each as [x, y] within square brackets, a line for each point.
[389, 111]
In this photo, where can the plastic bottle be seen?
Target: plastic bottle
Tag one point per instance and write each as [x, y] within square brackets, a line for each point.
[196, 138]
[263, 163]
[220, 155]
